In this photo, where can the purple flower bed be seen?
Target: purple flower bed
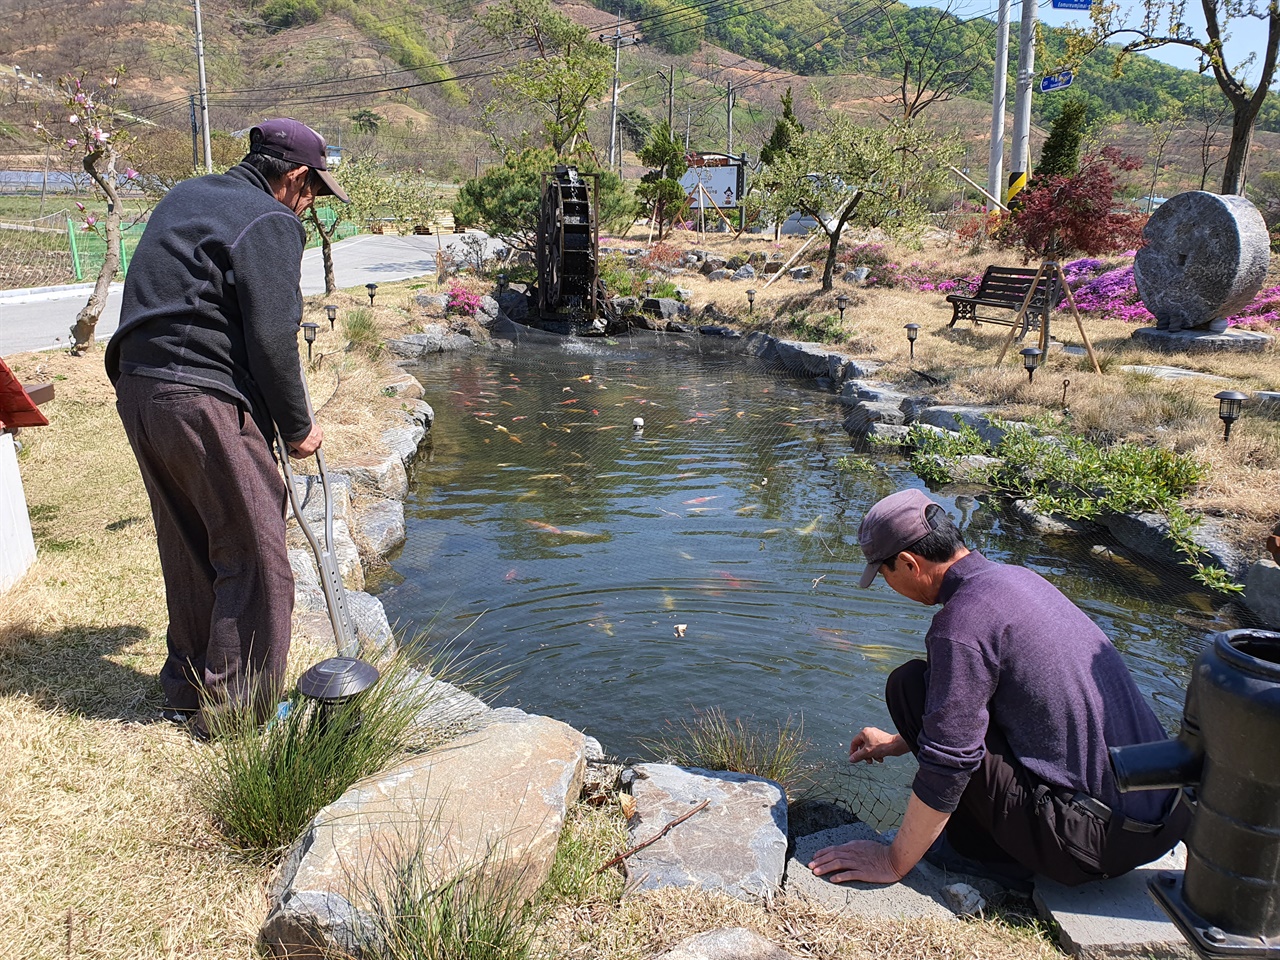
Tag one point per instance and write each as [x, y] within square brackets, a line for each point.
[1113, 294]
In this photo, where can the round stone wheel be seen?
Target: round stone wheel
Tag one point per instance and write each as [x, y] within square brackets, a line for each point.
[1206, 256]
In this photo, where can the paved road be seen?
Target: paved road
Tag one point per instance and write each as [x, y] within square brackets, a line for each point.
[41, 319]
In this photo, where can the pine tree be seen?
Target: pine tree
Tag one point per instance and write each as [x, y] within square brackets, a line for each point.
[1060, 155]
[784, 131]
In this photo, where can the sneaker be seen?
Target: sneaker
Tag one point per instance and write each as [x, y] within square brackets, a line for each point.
[1011, 876]
[176, 715]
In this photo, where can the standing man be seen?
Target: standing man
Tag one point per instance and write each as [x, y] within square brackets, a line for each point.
[1010, 720]
[205, 366]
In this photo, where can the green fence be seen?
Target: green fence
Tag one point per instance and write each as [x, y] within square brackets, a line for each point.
[89, 249]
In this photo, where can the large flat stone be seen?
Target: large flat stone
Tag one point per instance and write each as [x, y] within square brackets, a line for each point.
[1200, 341]
[1262, 592]
[1114, 918]
[727, 943]
[380, 526]
[918, 894]
[953, 416]
[497, 794]
[736, 845]
[865, 413]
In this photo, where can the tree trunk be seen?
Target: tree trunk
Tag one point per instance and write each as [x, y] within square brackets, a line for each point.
[326, 253]
[829, 269]
[1238, 152]
[82, 332]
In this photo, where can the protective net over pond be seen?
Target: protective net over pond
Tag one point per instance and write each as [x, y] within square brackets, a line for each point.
[628, 579]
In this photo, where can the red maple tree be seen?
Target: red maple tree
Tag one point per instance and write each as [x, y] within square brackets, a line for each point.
[1076, 214]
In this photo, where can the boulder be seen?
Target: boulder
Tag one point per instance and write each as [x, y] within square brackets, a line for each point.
[801, 273]
[744, 272]
[952, 416]
[383, 473]
[727, 943]
[403, 385]
[867, 412]
[380, 526]
[310, 493]
[736, 845]
[434, 339]
[1047, 525]
[718, 275]
[496, 795]
[435, 302]
[403, 441]
[1262, 592]
[711, 263]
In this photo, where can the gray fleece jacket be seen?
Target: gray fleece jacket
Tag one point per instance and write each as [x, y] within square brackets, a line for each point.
[212, 299]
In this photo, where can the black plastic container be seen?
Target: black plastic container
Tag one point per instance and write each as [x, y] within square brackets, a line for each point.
[1227, 903]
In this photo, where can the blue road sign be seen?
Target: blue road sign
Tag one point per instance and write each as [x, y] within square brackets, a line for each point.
[1056, 81]
[1072, 4]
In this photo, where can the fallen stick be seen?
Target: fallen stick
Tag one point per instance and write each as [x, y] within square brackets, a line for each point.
[656, 837]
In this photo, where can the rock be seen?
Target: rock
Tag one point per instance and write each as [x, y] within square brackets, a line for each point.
[1047, 525]
[514, 305]
[403, 385]
[718, 275]
[744, 272]
[736, 845]
[403, 441]
[644, 322]
[965, 900]
[369, 618]
[734, 263]
[971, 468]
[1114, 918]
[1148, 534]
[380, 526]
[857, 274]
[384, 474]
[448, 706]
[310, 492]
[712, 263]
[625, 306]
[497, 794]
[1202, 340]
[668, 308]
[952, 416]
[800, 273]
[303, 564]
[434, 339]
[889, 433]
[808, 359]
[675, 326]
[719, 330]
[487, 311]
[867, 412]
[437, 302]
[855, 391]
[727, 943]
[918, 894]
[1206, 256]
[1262, 592]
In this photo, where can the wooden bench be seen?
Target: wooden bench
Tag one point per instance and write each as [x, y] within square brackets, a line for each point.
[1004, 289]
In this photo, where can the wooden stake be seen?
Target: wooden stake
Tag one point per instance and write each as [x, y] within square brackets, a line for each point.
[656, 837]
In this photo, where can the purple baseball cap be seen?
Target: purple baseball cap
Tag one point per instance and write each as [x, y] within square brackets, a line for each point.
[293, 141]
[890, 526]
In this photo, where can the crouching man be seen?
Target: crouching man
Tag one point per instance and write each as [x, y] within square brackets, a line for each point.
[1009, 718]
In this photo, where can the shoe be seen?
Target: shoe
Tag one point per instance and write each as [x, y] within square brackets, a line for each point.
[1011, 876]
[176, 715]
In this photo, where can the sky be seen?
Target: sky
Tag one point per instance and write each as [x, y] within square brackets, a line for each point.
[1250, 35]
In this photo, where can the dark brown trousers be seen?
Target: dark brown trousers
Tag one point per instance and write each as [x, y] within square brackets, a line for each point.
[217, 498]
[1007, 815]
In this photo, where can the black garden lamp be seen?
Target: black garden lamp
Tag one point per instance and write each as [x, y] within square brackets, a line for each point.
[309, 334]
[502, 284]
[372, 288]
[842, 301]
[913, 331]
[648, 289]
[1229, 404]
[331, 312]
[751, 301]
[334, 682]
[1031, 360]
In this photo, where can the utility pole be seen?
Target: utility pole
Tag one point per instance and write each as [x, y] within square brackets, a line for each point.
[671, 99]
[204, 91]
[688, 122]
[1019, 162]
[195, 133]
[618, 41]
[728, 99]
[995, 166]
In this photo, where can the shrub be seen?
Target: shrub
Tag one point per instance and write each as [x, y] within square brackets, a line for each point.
[360, 330]
[661, 255]
[462, 302]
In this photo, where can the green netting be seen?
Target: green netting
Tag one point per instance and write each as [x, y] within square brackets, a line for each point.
[34, 252]
[88, 248]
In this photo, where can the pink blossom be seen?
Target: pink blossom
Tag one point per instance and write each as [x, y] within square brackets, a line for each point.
[73, 142]
[130, 173]
[89, 221]
[79, 98]
[73, 119]
[80, 205]
[99, 135]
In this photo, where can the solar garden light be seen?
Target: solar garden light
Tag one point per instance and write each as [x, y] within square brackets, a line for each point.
[842, 301]
[1065, 384]
[332, 312]
[309, 334]
[502, 284]
[913, 331]
[648, 288]
[372, 288]
[1031, 359]
[334, 682]
[751, 301]
[1229, 403]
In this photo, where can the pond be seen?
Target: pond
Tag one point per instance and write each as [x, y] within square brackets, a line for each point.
[626, 578]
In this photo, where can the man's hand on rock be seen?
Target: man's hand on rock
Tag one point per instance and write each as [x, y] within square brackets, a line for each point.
[864, 860]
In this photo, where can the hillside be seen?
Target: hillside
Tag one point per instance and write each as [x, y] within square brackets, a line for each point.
[408, 81]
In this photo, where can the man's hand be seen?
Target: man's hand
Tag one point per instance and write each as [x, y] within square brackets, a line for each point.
[873, 744]
[863, 860]
[308, 444]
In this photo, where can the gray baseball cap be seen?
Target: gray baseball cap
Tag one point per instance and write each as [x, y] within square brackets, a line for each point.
[890, 526]
[293, 141]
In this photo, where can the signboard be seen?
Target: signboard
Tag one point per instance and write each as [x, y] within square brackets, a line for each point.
[713, 180]
[1071, 4]
[1056, 81]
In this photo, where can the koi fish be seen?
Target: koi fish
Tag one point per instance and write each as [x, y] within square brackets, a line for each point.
[565, 403]
[729, 578]
[747, 509]
[550, 476]
[544, 527]
[702, 509]
[521, 417]
[586, 378]
[809, 527]
[511, 575]
[528, 495]
[684, 555]
[702, 499]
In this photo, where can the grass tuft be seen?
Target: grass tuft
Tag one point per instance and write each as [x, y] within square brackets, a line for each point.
[714, 742]
[263, 786]
[360, 329]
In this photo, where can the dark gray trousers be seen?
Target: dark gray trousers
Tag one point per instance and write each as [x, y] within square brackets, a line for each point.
[217, 498]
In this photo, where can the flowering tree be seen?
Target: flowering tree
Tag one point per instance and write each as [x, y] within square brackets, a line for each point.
[1062, 213]
[88, 127]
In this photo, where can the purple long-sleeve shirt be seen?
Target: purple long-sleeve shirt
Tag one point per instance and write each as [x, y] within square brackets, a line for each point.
[1008, 648]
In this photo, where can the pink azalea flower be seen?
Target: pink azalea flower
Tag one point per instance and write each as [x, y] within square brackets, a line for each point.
[72, 143]
[130, 173]
[73, 119]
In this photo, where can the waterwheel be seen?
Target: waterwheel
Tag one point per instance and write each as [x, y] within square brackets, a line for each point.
[567, 246]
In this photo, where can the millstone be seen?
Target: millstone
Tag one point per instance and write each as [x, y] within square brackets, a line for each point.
[1206, 256]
